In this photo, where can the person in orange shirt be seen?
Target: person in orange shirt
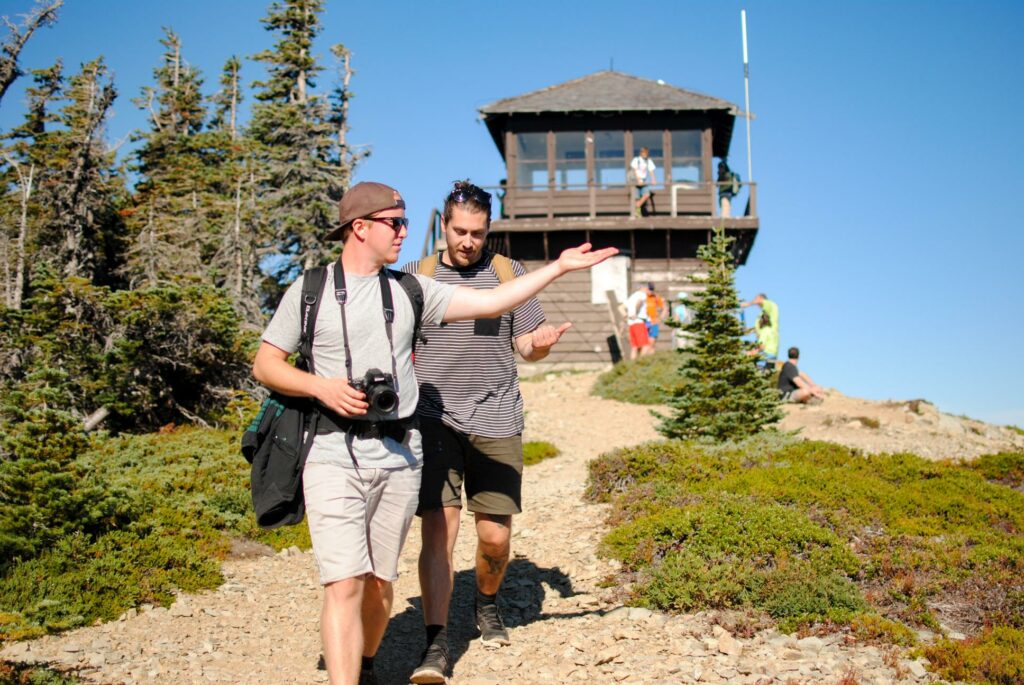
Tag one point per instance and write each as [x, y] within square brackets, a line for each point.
[657, 311]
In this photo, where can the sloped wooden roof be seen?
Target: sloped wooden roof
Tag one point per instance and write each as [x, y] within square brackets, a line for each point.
[611, 94]
[609, 91]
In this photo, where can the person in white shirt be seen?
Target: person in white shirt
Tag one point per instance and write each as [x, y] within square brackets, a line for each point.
[643, 170]
[636, 321]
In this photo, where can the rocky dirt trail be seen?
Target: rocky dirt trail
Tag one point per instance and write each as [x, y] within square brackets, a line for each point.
[261, 626]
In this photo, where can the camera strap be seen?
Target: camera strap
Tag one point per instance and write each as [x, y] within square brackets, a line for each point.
[341, 295]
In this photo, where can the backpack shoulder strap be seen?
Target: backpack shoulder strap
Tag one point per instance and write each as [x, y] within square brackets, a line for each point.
[502, 267]
[312, 291]
[414, 290]
[427, 267]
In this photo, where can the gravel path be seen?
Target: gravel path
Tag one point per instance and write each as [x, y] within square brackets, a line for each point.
[261, 626]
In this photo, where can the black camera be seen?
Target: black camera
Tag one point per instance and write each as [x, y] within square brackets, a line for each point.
[380, 395]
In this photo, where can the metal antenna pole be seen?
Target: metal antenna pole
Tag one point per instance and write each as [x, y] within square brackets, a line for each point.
[746, 89]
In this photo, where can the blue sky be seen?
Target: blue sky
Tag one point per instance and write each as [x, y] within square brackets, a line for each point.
[886, 147]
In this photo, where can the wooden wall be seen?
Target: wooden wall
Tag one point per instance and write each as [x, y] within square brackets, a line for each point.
[586, 344]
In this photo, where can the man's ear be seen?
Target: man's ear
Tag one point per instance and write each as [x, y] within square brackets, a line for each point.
[359, 228]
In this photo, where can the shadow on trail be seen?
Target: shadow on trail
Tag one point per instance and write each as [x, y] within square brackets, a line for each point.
[521, 600]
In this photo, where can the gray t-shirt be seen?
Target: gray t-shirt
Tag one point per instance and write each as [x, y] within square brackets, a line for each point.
[368, 343]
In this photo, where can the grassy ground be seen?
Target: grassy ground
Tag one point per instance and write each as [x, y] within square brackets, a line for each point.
[815, 534]
[648, 380]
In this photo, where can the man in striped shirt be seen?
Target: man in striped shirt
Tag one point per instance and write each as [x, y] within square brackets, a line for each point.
[471, 418]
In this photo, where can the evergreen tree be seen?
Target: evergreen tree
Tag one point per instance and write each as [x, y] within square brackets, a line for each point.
[166, 218]
[227, 99]
[301, 173]
[25, 163]
[726, 396]
[234, 262]
[340, 97]
[71, 222]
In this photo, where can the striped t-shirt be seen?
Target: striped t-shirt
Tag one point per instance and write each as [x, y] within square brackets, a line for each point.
[466, 369]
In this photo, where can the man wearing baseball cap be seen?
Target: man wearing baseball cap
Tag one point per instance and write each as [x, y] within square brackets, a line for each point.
[361, 479]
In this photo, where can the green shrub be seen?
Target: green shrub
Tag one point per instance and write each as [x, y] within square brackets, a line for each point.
[760, 523]
[728, 551]
[537, 451]
[182, 495]
[994, 656]
[152, 356]
[1005, 467]
[30, 674]
[46, 493]
[875, 628]
[78, 581]
[648, 380]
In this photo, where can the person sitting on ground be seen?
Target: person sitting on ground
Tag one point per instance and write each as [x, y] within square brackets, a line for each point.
[797, 386]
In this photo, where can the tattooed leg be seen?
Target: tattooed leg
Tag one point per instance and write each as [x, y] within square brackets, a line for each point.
[494, 534]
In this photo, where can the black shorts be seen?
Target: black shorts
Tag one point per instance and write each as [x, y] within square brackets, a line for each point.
[490, 468]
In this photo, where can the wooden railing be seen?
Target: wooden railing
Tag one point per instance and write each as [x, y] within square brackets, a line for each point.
[591, 200]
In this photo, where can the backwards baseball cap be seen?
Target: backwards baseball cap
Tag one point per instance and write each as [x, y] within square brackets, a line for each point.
[364, 199]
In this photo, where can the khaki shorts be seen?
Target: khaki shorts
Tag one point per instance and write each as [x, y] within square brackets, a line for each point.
[358, 518]
[491, 468]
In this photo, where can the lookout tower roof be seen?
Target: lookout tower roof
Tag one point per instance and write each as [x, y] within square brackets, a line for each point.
[608, 93]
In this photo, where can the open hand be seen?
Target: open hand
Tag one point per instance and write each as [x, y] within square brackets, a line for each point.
[546, 336]
[576, 258]
[340, 397]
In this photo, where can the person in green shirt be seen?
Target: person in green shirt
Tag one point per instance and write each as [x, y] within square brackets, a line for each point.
[768, 307]
[767, 336]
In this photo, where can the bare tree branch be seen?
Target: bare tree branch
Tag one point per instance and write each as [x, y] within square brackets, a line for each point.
[42, 15]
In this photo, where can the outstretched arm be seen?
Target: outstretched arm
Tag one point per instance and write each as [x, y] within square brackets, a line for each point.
[470, 303]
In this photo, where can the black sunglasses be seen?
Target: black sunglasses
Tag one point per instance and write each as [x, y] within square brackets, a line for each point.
[481, 196]
[397, 223]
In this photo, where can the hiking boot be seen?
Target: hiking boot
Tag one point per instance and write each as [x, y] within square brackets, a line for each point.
[492, 631]
[367, 677]
[433, 666]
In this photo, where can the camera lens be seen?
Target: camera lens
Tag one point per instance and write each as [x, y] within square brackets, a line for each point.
[383, 399]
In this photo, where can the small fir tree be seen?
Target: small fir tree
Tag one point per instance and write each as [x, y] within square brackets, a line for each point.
[726, 397]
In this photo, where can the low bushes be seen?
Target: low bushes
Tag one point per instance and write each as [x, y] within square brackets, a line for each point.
[811, 531]
[180, 496]
[29, 674]
[994, 656]
[537, 451]
[648, 380]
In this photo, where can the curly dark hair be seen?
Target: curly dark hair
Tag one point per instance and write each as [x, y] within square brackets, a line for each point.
[470, 197]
